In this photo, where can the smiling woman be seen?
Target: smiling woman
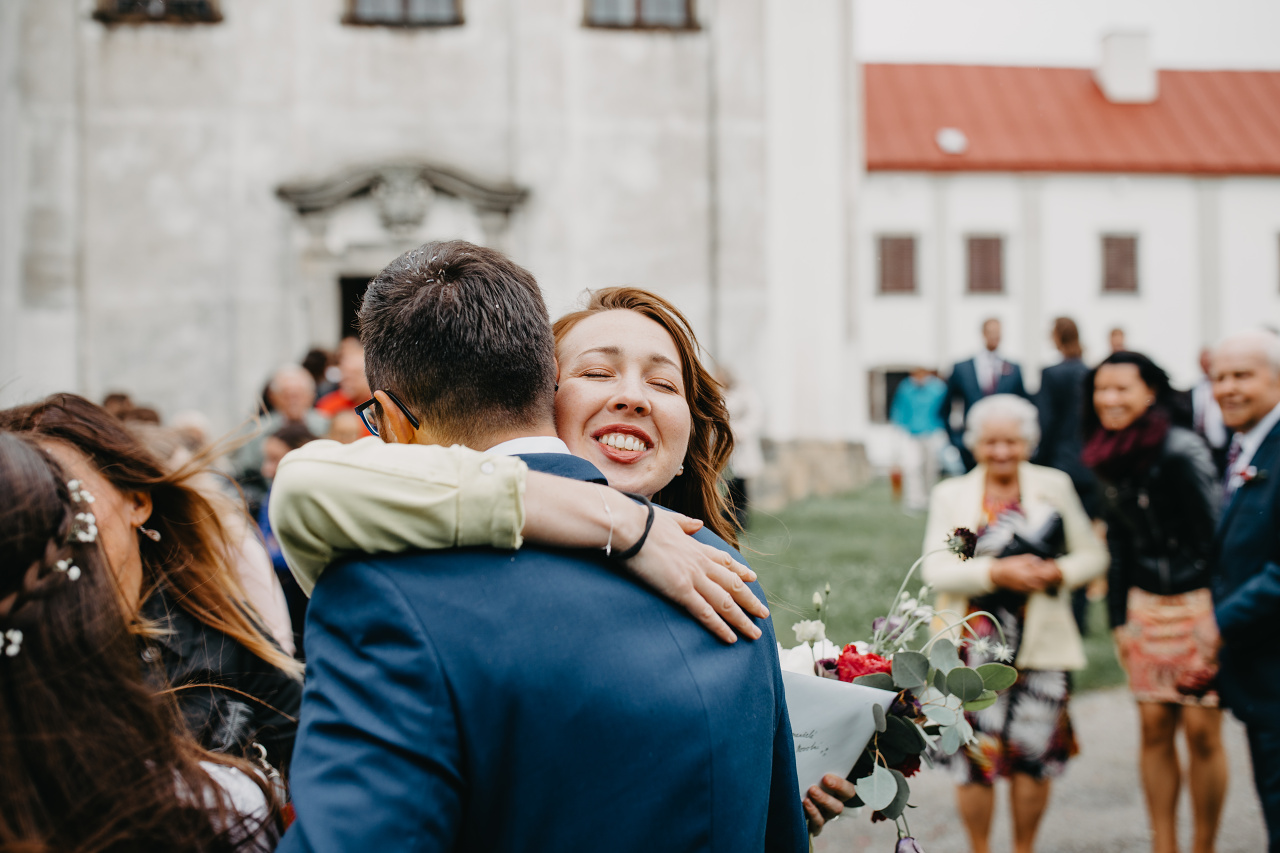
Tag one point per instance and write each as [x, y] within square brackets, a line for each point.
[635, 400]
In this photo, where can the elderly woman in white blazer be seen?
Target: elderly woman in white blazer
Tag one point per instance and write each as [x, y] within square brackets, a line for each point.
[1026, 735]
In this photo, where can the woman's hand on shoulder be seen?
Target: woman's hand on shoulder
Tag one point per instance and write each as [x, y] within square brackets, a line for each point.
[702, 579]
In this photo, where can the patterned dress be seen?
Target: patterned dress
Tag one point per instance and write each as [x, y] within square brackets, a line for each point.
[1028, 729]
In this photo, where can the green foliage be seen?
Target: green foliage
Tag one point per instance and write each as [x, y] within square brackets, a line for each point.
[944, 656]
[964, 683]
[910, 670]
[997, 676]
[878, 680]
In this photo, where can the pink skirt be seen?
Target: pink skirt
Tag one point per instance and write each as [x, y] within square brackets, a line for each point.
[1169, 635]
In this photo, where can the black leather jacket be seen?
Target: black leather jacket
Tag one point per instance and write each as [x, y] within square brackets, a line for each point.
[1160, 523]
[229, 697]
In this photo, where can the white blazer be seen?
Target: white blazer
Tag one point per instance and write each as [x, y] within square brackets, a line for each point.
[1051, 640]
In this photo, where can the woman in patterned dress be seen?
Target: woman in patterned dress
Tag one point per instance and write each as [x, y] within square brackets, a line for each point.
[1026, 735]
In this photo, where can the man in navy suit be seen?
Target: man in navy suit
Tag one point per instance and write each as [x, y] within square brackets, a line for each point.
[1246, 384]
[534, 700]
[985, 374]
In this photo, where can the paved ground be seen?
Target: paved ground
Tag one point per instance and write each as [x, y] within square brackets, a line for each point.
[1096, 805]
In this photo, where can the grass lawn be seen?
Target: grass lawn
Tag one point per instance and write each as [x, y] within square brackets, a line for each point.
[862, 544]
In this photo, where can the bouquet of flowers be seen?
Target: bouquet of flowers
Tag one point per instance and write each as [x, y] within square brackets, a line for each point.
[934, 688]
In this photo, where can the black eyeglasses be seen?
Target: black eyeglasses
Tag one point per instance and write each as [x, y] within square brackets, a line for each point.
[371, 423]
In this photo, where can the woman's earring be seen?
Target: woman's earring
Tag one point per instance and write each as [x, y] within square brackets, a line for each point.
[681, 471]
[153, 535]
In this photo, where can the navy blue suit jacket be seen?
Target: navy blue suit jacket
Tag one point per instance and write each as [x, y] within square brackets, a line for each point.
[963, 385]
[533, 700]
[1060, 402]
[1246, 590]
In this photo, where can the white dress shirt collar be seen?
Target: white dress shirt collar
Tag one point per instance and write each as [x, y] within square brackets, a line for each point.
[1249, 444]
[530, 444]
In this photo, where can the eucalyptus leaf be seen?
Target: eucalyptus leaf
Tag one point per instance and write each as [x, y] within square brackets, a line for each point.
[944, 656]
[940, 681]
[877, 714]
[878, 680]
[942, 715]
[894, 810]
[951, 740]
[965, 683]
[903, 735]
[910, 669]
[986, 700]
[997, 676]
[878, 789]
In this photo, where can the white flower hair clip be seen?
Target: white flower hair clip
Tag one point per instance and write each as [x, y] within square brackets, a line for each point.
[12, 642]
[72, 572]
[79, 493]
[84, 526]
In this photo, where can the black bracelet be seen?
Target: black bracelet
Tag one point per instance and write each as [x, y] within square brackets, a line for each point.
[648, 525]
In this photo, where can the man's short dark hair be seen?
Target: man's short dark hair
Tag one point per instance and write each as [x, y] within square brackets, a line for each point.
[461, 335]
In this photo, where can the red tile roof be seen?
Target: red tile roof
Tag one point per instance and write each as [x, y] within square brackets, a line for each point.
[1057, 120]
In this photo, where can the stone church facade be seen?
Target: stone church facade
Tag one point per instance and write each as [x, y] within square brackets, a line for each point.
[192, 192]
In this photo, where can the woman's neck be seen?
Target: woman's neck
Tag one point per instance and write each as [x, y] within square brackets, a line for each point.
[1002, 484]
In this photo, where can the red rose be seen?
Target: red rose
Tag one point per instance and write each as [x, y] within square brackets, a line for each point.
[852, 665]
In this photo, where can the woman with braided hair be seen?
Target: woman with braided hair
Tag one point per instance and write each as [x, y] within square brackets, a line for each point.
[92, 758]
[173, 559]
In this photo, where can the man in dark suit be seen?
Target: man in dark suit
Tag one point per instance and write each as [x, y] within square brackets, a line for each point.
[1246, 384]
[1059, 401]
[985, 374]
[476, 699]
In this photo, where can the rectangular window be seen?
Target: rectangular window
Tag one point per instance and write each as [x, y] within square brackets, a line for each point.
[1119, 264]
[641, 14]
[897, 264]
[158, 11]
[404, 13]
[986, 265]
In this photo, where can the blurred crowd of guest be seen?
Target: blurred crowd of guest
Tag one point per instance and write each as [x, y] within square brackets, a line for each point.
[1109, 479]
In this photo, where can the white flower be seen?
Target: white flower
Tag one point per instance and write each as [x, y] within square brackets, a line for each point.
[817, 601]
[73, 573]
[908, 606]
[14, 638]
[798, 660]
[980, 646]
[1002, 652]
[810, 631]
[73, 485]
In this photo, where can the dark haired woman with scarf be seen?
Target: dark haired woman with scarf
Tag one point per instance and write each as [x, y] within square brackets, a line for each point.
[1160, 502]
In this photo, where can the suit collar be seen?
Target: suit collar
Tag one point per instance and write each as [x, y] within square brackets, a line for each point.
[564, 465]
[1265, 454]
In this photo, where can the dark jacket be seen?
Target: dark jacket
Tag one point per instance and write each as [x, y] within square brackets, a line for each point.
[229, 697]
[1246, 591]
[1059, 402]
[534, 700]
[963, 387]
[1160, 523]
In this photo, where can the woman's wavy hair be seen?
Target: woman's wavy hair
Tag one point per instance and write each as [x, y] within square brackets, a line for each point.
[193, 556]
[91, 759]
[697, 492]
[1169, 401]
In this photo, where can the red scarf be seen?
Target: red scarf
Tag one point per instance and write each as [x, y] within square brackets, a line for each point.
[1114, 454]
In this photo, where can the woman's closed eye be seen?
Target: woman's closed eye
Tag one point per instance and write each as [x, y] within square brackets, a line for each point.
[665, 385]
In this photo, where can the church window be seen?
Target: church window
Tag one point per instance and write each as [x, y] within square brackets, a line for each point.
[404, 13]
[897, 264]
[1119, 264]
[158, 11]
[986, 265]
[641, 14]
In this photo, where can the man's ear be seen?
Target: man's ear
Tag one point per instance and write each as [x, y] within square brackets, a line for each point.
[395, 427]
